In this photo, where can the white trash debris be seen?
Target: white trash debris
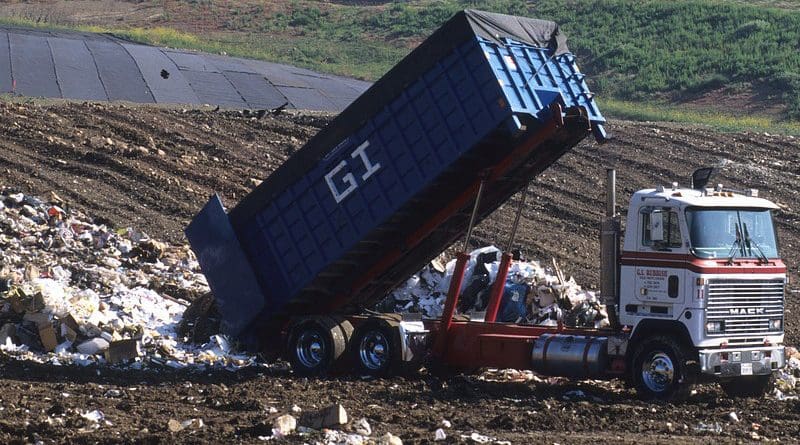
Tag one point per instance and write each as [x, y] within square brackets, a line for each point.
[340, 438]
[389, 439]
[93, 416]
[788, 378]
[193, 423]
[363, 427]
[75, 292]
[93, 346]
[733, 416]
[112, 393]
[507, 375]
[477, 438]
[284, 425]
[439, 435]
[715, 428]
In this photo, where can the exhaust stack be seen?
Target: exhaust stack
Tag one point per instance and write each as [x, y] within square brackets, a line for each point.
[609, 251]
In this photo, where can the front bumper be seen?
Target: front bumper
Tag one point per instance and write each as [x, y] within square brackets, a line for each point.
[735, 362]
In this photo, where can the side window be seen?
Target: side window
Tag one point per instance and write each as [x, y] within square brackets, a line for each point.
[660, 228]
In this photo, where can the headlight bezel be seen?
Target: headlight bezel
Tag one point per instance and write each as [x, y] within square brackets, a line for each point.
[715, 326]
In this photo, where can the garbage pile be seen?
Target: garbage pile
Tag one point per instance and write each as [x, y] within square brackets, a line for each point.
[533, 295]
[75, 292]
[787, 380]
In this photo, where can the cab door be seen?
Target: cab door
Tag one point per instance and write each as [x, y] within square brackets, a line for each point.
[661, 271]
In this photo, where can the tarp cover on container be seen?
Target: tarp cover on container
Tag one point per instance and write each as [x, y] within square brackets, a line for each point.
[461, 27]
[542, 33]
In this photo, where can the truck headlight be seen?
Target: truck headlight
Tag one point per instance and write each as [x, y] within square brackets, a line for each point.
[715, 326]
[776, 324]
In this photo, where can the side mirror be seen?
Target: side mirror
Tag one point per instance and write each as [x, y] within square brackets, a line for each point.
[657, 225]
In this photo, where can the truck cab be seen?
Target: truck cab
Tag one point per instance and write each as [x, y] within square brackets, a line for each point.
[701, 288]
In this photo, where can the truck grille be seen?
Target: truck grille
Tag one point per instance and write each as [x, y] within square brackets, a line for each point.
[745, 306]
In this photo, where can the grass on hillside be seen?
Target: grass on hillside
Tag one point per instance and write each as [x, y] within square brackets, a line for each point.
[640, 111]
[631, 49]
[776, 4]
[361, 59]
[635, 49]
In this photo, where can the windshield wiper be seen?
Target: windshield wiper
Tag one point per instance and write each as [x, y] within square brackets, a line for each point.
[748, 241]
[737, 243]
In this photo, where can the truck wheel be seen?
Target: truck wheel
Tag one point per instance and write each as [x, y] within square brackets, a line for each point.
[750, 386]
[376, 348]
[317, 344]
[661, 370]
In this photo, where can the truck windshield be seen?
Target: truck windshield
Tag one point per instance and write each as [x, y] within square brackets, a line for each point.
[738, 233]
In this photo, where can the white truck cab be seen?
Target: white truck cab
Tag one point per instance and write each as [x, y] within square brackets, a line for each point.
[702, 267]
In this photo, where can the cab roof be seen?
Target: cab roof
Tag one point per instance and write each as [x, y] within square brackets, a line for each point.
[686, 197]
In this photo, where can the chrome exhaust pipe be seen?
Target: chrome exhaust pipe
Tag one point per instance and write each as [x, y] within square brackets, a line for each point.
[609, 251]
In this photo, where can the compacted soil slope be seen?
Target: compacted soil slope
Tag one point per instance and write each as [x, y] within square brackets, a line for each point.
[153, 168]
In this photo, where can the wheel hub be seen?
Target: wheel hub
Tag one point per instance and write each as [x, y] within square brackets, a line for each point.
[310, 349]
[658, 372]
[373, 350]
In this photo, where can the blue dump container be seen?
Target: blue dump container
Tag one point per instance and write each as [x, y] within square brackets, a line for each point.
[390, 182]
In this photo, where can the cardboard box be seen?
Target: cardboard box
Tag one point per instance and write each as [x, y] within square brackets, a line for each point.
[333, 415]
[123, 350]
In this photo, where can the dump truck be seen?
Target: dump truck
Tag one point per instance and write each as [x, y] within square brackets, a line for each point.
[462, 123]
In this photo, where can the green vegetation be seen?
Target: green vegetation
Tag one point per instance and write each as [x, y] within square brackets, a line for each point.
[16, 21]
[634, 51]
[639, 49]
[639, 111]
[777, 4]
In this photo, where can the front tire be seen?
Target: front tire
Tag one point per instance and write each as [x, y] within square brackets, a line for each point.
[751, 386]
[662, 369]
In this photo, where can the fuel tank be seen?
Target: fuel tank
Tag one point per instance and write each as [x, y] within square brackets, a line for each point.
[570, 355]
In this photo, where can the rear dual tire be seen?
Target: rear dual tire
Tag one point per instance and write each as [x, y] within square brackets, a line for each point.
[317, 345]
[376, 348]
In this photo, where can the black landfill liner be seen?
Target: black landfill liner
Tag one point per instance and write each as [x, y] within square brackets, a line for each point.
[256, 91]
[280, 75]
[214, 88]
[331, 87]
[340, 102]
[99, 67]
[32, 66]
[359, 86]
[307, 99]
[75, 70]
[192, 62]
[165, 80]
[119, 72]
[463, 26]
[5, 64]
[231, 64]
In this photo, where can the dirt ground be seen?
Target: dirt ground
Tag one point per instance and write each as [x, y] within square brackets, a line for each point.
[153, 168]
[45, 403]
